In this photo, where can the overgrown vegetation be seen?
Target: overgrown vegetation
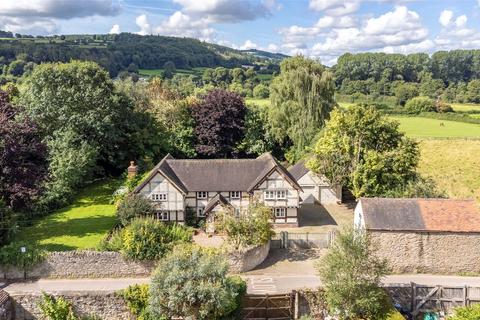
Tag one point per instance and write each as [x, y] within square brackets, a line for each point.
[134, 206]
[351, 275]
[137, 297]
[466, 313]
[196, 286]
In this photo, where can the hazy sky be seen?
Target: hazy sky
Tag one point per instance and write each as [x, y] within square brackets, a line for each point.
[319, 28]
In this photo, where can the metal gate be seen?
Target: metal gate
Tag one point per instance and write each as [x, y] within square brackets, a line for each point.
[263, 307]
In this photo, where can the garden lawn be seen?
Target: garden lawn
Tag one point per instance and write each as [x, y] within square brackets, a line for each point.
[453, 164]
[418, 127]
[81, 225]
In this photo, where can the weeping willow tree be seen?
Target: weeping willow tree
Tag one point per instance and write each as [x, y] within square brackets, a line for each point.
[301, 100]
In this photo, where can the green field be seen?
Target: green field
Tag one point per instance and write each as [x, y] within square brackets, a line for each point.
[463, 107]
[158, 72]
[454, 164]
[419, 127]
[259, 102]
[81, 225]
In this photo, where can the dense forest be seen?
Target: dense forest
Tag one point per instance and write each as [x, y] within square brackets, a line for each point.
[126, 51]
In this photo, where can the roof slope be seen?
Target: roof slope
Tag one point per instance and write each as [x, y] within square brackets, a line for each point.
[217, 174]
[435, 215]
[298, 170]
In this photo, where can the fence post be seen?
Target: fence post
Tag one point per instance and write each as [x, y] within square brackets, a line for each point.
[296, 302]
[465, 296]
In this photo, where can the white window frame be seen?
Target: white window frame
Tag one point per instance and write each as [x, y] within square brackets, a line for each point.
[235, 194]
[282, 194]
[159, 197]
[201, 212]
[202, 194]
[269, 195]
[280, 212]
[163, 216]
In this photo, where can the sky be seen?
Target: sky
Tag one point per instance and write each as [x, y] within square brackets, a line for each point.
[321, 29]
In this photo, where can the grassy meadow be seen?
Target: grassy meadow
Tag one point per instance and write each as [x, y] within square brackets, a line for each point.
[418, 127]
[158, 72]
[465, 107]
[82, 225]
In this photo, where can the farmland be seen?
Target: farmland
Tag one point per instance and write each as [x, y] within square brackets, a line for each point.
[158, 72]
[418, 127]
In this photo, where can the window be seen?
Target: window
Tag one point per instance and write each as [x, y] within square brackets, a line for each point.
[280, 212]
[202, 195]
[282, 194]
[163, 216]
[269, 195]
[237, 212]
[235, 194]
[159, 196]
[200, 212]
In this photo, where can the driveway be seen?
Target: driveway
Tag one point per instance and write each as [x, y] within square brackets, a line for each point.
[322, 218]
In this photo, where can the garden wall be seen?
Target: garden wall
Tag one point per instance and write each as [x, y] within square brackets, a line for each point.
[6, 308]
[83, 264]
[246, 260]
[104, 305]
[429, 252]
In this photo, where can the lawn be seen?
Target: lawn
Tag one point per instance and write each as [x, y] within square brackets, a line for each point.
[79, 226]
[158, 72]
[453, 164]
[419, 127]
[259, 102]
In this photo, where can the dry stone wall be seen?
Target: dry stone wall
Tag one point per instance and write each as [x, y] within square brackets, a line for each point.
[246, 260]
[83, 264]
[438, 252]
[104, 305]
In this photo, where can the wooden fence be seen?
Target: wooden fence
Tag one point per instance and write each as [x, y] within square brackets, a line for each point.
[320, 240]
[263, 307]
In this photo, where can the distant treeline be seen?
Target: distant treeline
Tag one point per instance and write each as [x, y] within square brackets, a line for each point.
[450, 66]
[118, 52]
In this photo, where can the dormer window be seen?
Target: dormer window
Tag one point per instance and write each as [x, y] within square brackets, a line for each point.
[202, 195]
[235, 194]
[162, 196]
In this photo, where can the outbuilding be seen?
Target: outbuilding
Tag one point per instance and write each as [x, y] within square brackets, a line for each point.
[423, 235]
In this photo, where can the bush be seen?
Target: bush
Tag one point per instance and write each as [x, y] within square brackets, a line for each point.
[136, 297]
[466, 313]
[351, 275]
[196, 286]
[442, 107]
[56, 308]
[8, 224]
[112, 241]
[150, 239]
[10, 255]
[252, 227]
[420, 104]
[261, 91]
[133, 206]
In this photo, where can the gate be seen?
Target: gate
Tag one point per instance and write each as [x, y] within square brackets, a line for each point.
[264, 307]
[307, 240]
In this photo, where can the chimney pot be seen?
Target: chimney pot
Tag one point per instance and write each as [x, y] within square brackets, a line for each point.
[132, 170]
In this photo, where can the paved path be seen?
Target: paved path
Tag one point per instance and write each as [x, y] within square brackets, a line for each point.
[259, 284]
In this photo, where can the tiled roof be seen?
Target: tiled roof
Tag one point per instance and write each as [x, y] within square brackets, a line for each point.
[298, 170]
[217, 174]
[433, 215]
[216, 200]
[3, 296]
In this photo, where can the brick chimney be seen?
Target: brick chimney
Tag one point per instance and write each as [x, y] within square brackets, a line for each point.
[132, 170]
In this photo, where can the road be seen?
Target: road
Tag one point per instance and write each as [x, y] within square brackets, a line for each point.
[257, 284]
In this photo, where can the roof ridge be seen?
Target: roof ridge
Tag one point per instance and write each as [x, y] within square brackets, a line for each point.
[427, 199]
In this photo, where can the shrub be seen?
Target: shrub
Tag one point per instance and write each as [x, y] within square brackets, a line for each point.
[133, 206]
[10, 255]
[261, 91]
[351, 275]
[466, 313]
[252, 227]
[136, 297]
[420, 104]
[56, 308]
[112, 241]
[196, 286]
[150, 239]
[442, 107]
[7, 223]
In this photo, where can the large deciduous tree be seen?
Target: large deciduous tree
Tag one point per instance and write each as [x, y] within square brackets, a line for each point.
[361, 149]
[219, 124]
[301, 100]
[23, 164]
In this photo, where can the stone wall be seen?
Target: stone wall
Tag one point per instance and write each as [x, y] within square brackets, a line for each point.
[83, 264]
[105, 305]
[246, 260]
[425, 252]
[6, 308]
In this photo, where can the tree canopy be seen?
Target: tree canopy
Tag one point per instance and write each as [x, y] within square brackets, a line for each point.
[302, 97]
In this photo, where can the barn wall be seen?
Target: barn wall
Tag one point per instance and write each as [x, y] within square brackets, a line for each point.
[438, 252]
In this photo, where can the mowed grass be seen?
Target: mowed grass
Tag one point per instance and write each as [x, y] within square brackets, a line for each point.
[81, 225]
[418, 127]
[453, 164]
